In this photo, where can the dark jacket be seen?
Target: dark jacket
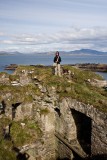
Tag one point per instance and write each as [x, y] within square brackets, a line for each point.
[57, 59]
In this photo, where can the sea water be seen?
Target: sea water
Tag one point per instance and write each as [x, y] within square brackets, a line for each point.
[44, 59]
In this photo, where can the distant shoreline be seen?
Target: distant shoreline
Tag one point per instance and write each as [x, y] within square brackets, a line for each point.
[87, 66]
[93, 67]
[7, 54]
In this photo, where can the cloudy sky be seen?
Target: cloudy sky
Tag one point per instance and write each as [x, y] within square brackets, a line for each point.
[50, 25]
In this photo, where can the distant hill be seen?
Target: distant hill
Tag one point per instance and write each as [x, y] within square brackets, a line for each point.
[8, 53]
[87, 52]
[81, 52]
[75, 52]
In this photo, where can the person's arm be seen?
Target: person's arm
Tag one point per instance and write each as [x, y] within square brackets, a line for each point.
[54, 59]
[59, 59]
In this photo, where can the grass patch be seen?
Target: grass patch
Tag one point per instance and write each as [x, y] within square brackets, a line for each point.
[6, 152]
[78, 88]
[20, 93]
[26, 135]
[44, 111]
[14, 77]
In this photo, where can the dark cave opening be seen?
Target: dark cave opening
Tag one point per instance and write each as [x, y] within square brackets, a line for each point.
[2, 107]
[84, 128]
[58, 111]
[14, 107]
[20, 156]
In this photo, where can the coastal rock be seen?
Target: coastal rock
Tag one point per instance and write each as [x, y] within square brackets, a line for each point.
[98, 83]
[47, 122]
[11, 67]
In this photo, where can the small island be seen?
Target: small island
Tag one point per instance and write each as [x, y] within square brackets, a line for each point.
[93, 67]
[11, 67]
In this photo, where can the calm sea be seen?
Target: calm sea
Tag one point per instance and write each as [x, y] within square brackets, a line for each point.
[31, 59]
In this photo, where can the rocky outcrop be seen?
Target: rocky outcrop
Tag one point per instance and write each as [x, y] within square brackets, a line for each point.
[98, 143]
[11, 67]
[97, 83]
[50, 126]
[93, 67]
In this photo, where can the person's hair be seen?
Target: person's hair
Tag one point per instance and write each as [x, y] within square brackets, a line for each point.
[57, 53]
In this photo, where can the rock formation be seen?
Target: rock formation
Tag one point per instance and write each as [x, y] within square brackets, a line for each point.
[46, 117]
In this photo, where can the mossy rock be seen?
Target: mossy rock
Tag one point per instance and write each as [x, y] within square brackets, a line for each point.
[78, 89]
[44, 111]
[14, 77]
[6, 152]
[26, 135]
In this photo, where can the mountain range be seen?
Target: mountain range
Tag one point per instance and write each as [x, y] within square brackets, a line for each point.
[75, 52]
[9, 53]
[85, 52]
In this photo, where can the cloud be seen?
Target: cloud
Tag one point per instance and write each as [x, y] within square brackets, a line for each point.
[7, 42]
[2, 33]
[71, 39]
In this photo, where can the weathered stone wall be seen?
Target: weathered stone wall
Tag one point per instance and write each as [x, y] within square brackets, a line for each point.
[62, 151]
[45, 147]
[65, 123]
[99, 127]
[67, 129]
[56, 116]
[99, 137]
[23, 111]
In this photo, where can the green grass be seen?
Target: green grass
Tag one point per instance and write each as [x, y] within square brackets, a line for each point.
[14, 77]
[26, 135]
[20, 136]
[78, 88]
[20, 93]
[6, 152]
[44, 111]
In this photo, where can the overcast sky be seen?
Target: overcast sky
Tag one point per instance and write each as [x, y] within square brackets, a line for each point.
[50, 25]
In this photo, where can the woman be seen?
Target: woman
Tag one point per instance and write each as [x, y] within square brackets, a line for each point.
[57, 60]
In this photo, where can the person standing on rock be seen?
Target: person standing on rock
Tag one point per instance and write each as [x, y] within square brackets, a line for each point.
[57, 60]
